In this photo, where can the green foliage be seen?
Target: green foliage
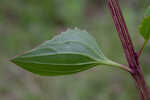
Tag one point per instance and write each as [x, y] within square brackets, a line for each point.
[70, 52]
[147, 13]
[145, 26]
[26, 23]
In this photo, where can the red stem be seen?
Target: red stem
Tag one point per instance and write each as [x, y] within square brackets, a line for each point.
[129, 50]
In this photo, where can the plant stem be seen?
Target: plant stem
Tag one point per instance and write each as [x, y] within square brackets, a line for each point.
[129, 50]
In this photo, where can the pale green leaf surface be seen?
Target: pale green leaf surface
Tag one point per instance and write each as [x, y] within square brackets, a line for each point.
[69, 52]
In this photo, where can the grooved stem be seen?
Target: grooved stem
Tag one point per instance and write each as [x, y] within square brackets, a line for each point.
[129, 50]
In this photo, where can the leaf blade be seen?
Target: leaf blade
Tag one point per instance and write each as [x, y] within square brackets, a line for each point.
[70, 52]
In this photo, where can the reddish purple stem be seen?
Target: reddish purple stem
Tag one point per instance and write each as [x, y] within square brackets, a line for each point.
[129, 50]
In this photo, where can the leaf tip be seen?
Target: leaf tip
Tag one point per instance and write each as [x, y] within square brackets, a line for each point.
[13, 60]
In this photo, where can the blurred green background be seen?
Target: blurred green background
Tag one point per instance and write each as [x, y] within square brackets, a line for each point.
[24, 24]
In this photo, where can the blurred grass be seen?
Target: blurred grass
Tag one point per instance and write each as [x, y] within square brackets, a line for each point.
[25, 24]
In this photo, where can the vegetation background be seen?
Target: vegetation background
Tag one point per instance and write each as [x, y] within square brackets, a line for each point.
[24, 24]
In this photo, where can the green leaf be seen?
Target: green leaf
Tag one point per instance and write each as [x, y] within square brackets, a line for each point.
[145, 26]
[147, 13]
[70, 52]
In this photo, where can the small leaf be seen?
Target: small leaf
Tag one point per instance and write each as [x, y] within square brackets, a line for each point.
[70, 52]
[145, 26]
